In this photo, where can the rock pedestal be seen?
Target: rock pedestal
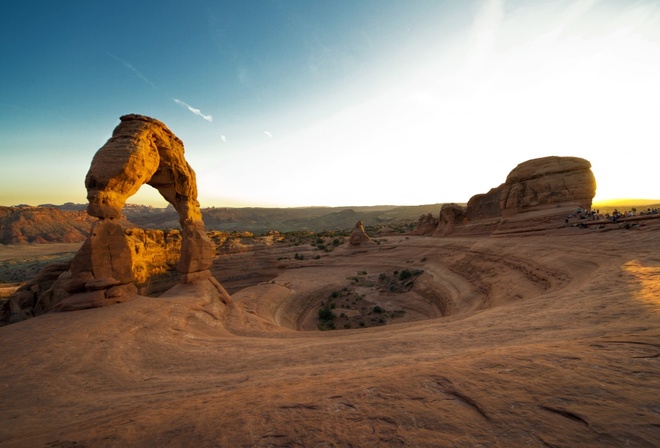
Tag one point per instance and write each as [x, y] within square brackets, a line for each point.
[359, 237]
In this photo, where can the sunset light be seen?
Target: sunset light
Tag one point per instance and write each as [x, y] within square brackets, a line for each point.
[403, 104]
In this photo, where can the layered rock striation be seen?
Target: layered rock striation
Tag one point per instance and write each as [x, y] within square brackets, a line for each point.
[537, 184]
[548, 182]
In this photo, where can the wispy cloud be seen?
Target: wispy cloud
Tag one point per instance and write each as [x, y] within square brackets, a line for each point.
[268, 134]
[194, 110]
[223, 138]
[131, 68]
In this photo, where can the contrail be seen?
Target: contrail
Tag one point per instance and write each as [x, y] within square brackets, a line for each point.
[195, 111]
[133, 69]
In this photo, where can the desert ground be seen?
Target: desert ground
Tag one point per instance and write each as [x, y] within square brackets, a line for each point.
[544, 338]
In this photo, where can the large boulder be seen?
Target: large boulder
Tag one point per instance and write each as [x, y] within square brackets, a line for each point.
[537, 184]
[548, 182]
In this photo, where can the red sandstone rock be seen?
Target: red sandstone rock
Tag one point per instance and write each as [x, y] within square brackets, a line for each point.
[426, 225]
[450, 215]
[359, 237]
[141, 151]
[548, 182]
[537, 184]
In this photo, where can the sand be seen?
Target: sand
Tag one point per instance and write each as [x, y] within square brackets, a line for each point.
[540, 339]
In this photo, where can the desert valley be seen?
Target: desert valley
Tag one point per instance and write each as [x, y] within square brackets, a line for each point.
[522, 318]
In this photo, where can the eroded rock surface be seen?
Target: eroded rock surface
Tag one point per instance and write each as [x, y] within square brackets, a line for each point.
[359, 237]
[141, 151]
[538, 184]
[426, 225]
[549, 181]
[485, 205]
[450, 216]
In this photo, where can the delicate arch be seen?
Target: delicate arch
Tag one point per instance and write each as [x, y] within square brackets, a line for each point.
[141, 151]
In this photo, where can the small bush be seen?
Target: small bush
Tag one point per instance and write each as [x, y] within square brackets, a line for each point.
[326, 314]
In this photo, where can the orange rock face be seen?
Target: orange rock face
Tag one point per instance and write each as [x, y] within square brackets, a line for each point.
[426, 225]
[141, 151]
[538, 184]
[549, 181]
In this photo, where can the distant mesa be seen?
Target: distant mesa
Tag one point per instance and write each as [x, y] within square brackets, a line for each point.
[42, 225]
[546, 184]
[141, 151]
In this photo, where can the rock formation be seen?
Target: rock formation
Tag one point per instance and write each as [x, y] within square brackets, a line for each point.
[426, 225]
[484, 205]
[359, 237]
[564, 181]
[537, 184]
[42, 225]
[141, 151]
[153, 254]
[450, 215]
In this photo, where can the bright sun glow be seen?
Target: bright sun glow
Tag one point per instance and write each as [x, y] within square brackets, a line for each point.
[432, 102]
[502, 94]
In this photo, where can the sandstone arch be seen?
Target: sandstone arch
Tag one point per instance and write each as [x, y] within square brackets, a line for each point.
[141, 151]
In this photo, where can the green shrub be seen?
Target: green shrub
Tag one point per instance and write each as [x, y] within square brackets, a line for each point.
[326, 314]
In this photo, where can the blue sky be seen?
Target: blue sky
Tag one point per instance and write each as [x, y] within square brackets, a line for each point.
[299, 103]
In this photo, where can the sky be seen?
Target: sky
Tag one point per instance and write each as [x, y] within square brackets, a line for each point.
[285, 103]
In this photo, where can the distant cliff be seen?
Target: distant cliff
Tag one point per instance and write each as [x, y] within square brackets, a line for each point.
[25, 224]
[70, 223]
